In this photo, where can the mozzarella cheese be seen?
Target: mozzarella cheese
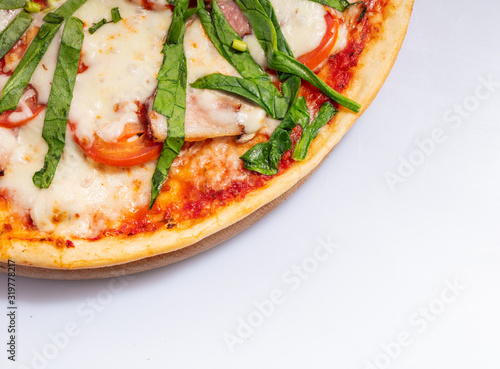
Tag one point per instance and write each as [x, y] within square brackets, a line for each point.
[7, 146]
[6, 16]
[123, 60]
[302, 23]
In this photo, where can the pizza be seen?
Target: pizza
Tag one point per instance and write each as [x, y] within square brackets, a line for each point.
[135, 133]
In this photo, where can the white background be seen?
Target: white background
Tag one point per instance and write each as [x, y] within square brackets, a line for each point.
[398, 249]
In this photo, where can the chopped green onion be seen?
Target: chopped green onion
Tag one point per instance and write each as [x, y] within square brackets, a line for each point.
[96, 26]
[32, 7]
[115, 15]
[239, 45]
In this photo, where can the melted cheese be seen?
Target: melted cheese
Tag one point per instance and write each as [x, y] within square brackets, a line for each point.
[6, 16]
[84, 197]
[302, 23]
[8, 140]
[213, 106]
[123, 60]
[23, 107]
[42, 78]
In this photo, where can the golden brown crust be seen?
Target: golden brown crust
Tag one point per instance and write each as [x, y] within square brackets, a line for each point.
[111, 256]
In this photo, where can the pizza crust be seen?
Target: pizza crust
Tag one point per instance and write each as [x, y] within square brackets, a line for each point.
[113, 256]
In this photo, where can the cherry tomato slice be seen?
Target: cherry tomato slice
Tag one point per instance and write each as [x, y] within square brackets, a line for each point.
[121, 153]
[17, 51]
[314, 58]
[9, 119]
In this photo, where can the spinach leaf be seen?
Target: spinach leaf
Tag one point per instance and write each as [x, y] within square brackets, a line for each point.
[256, 85]
[14, 31]
[309, 133]
[16, 84]
[290, 88]
[53, 18]
[192, 11]
[206, 21]
[242, 61]
[12, 4]
[264, 157]
[170, 99]
[61, 94]
[282, 44]
[278, 60]
[291, 84]
[252, 89]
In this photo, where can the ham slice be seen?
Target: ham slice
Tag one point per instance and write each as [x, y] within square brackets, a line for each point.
[208, 114]
[235, 17]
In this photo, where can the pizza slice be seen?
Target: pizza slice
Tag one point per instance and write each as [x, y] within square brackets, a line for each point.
[137, 133]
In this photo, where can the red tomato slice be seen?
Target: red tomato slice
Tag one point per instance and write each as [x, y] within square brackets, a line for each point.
[17, 51]
[121, 153]
[9, 121]
[314, 58]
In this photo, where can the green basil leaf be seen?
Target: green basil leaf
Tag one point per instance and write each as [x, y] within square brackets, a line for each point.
[61, 95]
[170, 99]
[14, 31]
